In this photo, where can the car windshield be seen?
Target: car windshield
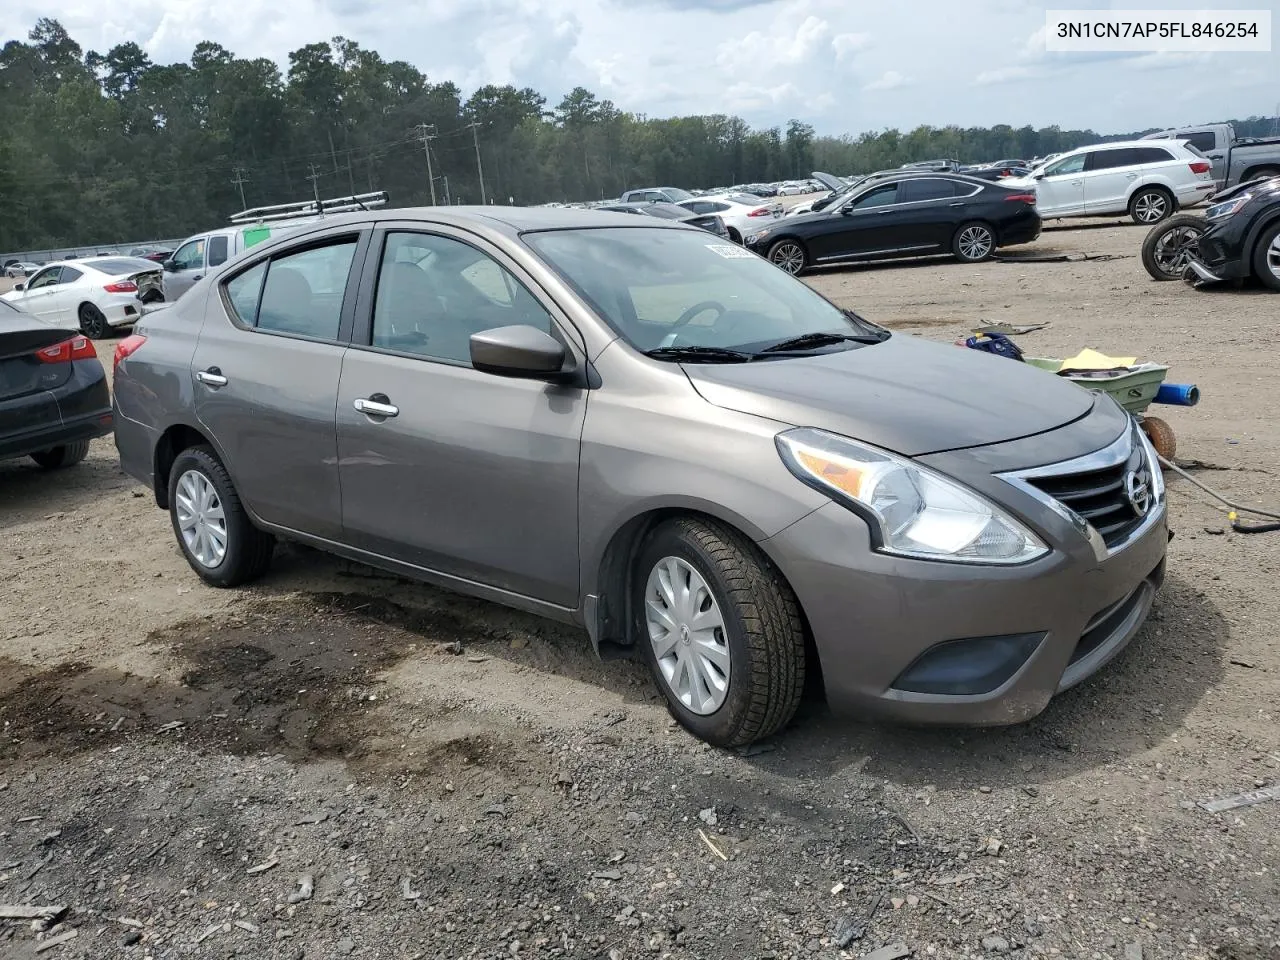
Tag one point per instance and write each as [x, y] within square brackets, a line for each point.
[662, 288]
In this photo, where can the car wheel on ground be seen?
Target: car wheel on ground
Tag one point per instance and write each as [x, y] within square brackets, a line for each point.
[1167, 248]
[92, 323]
[720, 630]
[973, 242]
[1266, 257]
[789, 255]
[734, 235]
[213, 529]
[67, 455]
[1151, 205]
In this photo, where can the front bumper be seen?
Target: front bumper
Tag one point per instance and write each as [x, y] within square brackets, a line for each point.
[875, 617]
[1221, 252]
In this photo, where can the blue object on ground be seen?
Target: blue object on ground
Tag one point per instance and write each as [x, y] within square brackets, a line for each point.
[1179, 394]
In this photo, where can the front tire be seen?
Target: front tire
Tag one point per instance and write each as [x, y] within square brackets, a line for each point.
[67, 455]
[720, 630]
[213, 529]
[1168, 247]
[92, 323]
[973, 242]
[1151, 205]
[789, 255]
[1266, 257]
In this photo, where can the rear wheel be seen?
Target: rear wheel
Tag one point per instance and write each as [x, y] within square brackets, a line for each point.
[213, 529]
[734, 235]
[1151, 205]
[720, 630]
[1266, 257]
[973, 242]
[67, 455]
[1169, 247]
[789, 255]
[92, 323]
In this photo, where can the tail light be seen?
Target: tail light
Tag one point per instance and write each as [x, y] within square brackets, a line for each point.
[121, 286]
[760, 212]
[77, 348]
[1201, 166]
[125, 348]
[1024, 197]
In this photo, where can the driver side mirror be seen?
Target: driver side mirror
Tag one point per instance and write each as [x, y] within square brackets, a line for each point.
[170, 266]
[519, 351]
[19, 286]
[1037, 176]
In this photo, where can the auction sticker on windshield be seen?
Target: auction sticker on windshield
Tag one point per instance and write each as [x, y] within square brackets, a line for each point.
[730, 252]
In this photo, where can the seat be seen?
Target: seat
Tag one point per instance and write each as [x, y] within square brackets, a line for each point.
[406, 300]
[287, 302]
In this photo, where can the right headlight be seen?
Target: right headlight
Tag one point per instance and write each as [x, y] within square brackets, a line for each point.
[912, 510]
[1227, 207]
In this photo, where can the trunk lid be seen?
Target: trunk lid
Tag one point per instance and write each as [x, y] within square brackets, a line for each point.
[22, 374]
[906, 395]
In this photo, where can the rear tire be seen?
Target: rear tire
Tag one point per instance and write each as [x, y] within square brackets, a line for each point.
[973, 242]
[1266, 257]
[67, 455]
[1151, 205]
[1167, 246]
[92, 323]
[758, 639]
[239, 551]
[734, 235]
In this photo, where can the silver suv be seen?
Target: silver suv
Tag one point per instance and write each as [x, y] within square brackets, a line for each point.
[639, 428]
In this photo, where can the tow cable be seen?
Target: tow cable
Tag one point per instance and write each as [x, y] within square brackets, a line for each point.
[1235, 509]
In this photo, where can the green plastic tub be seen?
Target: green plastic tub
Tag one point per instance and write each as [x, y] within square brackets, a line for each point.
[1133, 389]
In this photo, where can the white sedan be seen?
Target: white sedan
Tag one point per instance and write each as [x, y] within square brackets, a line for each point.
[91, 295]
[742, 213]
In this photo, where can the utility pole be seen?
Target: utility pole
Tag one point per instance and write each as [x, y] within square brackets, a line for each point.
[426, 139]
[315, 186]
[479, 168]
[447, 201]
[240, 180]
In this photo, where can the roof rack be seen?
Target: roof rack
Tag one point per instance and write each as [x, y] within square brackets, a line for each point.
[310, 208]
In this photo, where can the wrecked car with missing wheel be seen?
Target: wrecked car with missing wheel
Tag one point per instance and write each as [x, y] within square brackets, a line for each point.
[638, 428]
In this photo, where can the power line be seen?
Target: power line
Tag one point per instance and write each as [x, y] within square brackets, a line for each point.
[315, 183]
[240, 180]
[426, 148]
[475, 136]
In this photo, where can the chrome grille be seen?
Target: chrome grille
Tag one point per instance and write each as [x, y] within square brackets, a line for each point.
[1101, 496]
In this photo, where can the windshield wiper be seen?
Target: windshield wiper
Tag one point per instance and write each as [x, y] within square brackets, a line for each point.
[807, 341]
[703, 354]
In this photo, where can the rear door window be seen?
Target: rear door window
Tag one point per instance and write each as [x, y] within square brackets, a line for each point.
[303, 291]
[926, 189]
[217, 251]
[1202, 140]
[70, 275]
[1112, 159]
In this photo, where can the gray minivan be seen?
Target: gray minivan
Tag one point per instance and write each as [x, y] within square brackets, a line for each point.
[651, 432]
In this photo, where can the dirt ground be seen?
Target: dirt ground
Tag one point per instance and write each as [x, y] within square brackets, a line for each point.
[305, 769]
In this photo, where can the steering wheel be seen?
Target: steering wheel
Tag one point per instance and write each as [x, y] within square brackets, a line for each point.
[685, 318]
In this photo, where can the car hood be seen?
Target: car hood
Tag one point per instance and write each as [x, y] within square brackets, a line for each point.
[906, 395]
[827, 180]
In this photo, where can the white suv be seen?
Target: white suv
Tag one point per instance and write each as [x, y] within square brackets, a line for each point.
[1145, 180]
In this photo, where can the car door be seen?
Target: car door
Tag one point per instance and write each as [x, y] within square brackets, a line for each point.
[1108, 175]
[473, 476]
[863, 226]
[929, 212]
[184, 268]
[1060, 188]
[40, 294]
[65, 298]
[266, 372]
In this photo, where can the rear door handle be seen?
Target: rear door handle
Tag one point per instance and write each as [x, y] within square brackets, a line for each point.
[376, 406]
[213, 377]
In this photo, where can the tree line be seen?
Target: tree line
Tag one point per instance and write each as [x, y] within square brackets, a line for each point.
[97, 148]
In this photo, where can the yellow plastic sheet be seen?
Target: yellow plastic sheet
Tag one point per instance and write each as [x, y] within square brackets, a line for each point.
[1088, 359]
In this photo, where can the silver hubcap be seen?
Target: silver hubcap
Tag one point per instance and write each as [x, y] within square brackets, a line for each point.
[688, 636]
[1150, 207]
[975, 243]
[789, 257]
[201, 519]
[1273, 257]
[1174, 249]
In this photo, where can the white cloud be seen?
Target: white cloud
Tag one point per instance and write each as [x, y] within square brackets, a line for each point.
[889, 80]
[847, 44]
[990, 78]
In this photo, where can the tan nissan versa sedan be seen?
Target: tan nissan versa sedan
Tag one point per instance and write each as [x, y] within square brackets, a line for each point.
[658, 435]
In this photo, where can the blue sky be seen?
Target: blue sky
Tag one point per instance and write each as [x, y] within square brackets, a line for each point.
[842, 65]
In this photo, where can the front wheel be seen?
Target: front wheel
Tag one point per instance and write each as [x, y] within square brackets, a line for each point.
[1266, 257]
[213, 529]
[973, 242]
[92, 323]
[1150, 206]
[789, 255]
[720, 630]
[1169, 247]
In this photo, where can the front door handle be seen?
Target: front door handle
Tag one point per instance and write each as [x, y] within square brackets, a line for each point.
[958, 203]
[213, 377]
[378, 405]
[1131, 176]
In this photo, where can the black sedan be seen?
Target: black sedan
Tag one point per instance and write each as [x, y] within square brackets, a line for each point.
[53, 391]
[904, 216]
[670, 211]
[1243, 234]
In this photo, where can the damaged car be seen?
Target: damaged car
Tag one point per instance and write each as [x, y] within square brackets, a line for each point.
[1241, 236]
[93, 295]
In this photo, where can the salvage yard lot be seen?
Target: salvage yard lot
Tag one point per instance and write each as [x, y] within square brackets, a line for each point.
[179, 757]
